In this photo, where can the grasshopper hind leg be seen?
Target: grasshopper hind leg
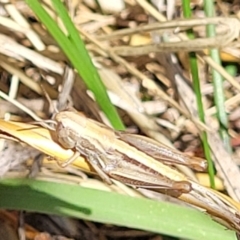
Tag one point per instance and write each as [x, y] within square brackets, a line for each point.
[69, 161]
[94, 161]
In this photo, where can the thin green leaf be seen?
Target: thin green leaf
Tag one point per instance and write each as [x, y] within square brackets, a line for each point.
[197, 89]
[219, 97]
[107, 207]
[74, 48]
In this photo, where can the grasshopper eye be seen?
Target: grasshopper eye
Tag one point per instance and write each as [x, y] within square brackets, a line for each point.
[66, 142]
[64, 136]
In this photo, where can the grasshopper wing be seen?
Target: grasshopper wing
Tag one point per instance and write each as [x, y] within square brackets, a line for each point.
[162, 152]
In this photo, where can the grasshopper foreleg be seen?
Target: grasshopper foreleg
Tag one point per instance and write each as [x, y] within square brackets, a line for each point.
[94, 158]
[94, 161]
[68, 161]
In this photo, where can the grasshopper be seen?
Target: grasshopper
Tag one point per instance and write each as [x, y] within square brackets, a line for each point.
[140, 162]
[132, 159]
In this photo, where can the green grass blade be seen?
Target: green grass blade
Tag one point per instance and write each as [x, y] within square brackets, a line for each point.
[75, 50]
[197, 89]
[219, 98]
[107, 207]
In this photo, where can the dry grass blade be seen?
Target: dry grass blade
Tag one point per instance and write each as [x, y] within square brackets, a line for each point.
[221, 41]
[41, 139]
[19, 23]
[13, 49]
[176, 27]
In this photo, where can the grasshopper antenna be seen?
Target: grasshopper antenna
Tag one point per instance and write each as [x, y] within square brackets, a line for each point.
[44, 123]
[49, 99]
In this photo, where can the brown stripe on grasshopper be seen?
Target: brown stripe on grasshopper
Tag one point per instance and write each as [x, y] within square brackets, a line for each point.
[133, 173]
[163, 153]
[176, 190]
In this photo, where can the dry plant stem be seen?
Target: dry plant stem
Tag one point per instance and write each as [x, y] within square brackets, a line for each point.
[11, 48]
[67, 86]
[147, 82]
[158, 16]
[216, 204]
[21, 22]
[54, 176]
[228, 104]
[220, 69]
[4, 63]
[161, 27]
[41, 139]
[23, 108]
[26, 80]
[233, 33]
[151, 10]
[13, 86]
